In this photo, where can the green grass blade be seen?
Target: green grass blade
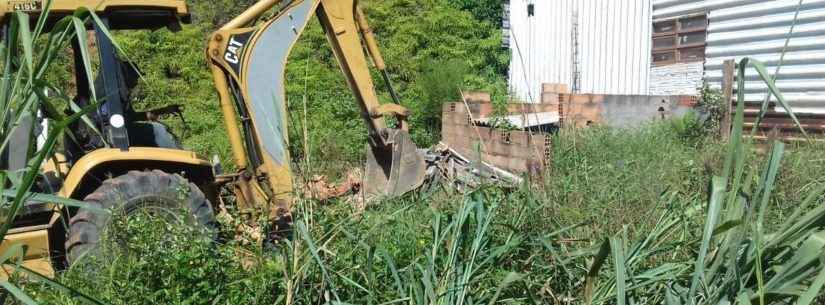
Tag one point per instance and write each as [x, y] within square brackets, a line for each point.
[27, 42]
[58, 39]
[812, 293]
[743, 299]
[511, 278]
[621, 273]
[593, 273]
[35, 198]
[718, 189]
[43, 17]
[15, 250]
[671, 298]
[80, 34]
[767, 188]
[313, 250]
[735, 143]
[393, 271]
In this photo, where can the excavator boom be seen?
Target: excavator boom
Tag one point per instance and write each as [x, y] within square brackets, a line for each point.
[248, 62]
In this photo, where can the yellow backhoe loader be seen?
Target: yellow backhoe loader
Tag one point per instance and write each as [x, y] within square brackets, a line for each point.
[132, 162]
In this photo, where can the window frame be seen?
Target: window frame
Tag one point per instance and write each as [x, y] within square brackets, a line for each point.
[676, 34]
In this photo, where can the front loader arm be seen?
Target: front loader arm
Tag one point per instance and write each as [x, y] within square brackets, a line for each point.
[248, 64]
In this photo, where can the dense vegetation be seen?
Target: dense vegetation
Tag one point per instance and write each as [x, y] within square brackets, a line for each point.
[621, 216]
[531, 245]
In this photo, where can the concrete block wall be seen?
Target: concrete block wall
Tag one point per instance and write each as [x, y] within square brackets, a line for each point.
[581, 110]
[526, 152]
[481, 106]
[677, 79]
[516, 151]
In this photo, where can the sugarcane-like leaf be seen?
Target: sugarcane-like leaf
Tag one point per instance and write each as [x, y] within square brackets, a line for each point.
[17, 293]
[714, 208]
[35, 198]
[621, 273]
[811, 294]
[768, 80]
[593, 273]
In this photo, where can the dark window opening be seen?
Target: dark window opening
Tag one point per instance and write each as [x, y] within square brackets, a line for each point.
[681, 40]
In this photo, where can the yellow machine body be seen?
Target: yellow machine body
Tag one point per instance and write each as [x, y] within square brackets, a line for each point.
[34, 243]
[248, 61]
[83, 177]
[38, 235]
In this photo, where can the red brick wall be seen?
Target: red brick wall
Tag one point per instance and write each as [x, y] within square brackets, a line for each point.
[580, 110]
[515, 151]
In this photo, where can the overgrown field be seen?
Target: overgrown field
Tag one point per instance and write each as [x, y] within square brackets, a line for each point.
[661, 214]
[531, 245]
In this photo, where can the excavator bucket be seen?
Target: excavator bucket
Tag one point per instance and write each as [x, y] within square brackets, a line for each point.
[394, 169]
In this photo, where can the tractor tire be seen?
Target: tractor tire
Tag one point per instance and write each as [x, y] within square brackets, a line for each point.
[169, 193]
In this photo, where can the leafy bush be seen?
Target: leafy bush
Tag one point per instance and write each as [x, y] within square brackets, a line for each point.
[690, 127]
[443, 80]
[490, 11]
[713, 106]
[149, 259]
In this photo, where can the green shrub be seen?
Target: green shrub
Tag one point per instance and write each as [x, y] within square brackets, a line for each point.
[690, 127]
[149, 259]
[712, 105]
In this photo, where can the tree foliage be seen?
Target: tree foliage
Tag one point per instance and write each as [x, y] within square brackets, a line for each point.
[488, 10]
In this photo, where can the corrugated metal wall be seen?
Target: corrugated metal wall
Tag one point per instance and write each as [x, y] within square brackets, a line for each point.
[758, 29]
[614, 45]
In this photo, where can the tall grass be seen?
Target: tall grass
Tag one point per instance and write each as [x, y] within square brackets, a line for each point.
[738, 258]
[713, 247]
[490, 246]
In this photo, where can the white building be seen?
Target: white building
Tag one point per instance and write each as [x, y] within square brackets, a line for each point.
[597, 46]
[666, 46]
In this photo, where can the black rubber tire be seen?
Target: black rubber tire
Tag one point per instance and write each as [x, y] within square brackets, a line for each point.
[122, 195]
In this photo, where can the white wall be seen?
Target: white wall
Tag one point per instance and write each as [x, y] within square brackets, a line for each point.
[614, 46]
[677, 79]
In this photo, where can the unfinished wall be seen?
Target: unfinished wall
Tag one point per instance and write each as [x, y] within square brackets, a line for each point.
[530, 152]
[515, 151]
[581, 110]
[482, 109]
[677, 79]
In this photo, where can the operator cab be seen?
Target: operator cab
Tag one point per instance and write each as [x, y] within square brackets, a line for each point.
[117, 124]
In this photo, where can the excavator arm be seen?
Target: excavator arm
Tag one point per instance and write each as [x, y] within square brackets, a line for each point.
[248, 61]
